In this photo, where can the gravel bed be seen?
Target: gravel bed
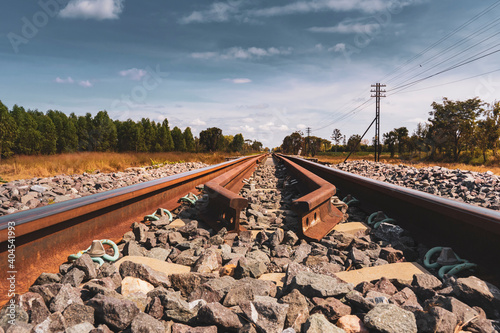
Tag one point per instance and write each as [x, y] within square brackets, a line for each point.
[219, 290]
[476, 188]
[25, 194]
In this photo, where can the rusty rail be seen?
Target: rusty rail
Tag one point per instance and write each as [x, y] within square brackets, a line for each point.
[45, 236]
[473, 232]
[318, 215]
[225, 204]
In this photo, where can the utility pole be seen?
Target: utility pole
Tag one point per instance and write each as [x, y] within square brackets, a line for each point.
[378, 94]
[308, 142]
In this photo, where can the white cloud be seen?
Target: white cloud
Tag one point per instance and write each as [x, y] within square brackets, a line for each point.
[133, 73]
[198, 122]
[244, 129]
[301, 126]
[234, 10]
[85, 83]
[216, 12]
[239, 80]
[93, 9]
[300, 7]
[67, 80]
[337, 48]
[348, 28]
[241, 53]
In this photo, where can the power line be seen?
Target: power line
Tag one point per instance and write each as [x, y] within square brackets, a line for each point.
[456, 81]
[443, 71]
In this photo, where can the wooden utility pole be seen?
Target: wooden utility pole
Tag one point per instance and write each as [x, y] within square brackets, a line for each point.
[378, 94]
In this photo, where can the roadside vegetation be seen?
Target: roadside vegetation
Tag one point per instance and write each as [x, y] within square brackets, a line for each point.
[26, 167]
[37, 144]
[458, 134]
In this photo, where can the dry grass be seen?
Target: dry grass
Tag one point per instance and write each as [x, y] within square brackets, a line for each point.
[387, 159]
[25, 167]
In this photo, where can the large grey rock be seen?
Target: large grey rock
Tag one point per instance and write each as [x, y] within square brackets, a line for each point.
[12, 313]
[74, 277]
[114, 312]
[181, 328]
[66, 296]
[210, 261]
[436, 320]
[317, 323]
[80, 328]
[390, 318]
[78, 313]
[144, 272]
[248, 267]
[318, 285]
[47, 291]
[213, 290]
[46, 278]
[144, 323]
[217, 314]
[176, 308]
[85, 264]
[247, 289]
[331, 308]
[474, 291]
[298, 310]
[54, 323]
[266, 313]
[19, 327]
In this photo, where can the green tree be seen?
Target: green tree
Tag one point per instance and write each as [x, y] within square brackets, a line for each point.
[129, 136]
[212, 139]
[452, 124]
[103, 135]
[82, 131]
[48, 137]
[28, 138]
[8, 131]
[179, 142]
[353, 143]
[238, 142]
[257, 146]
[188, 139]
[402, 139]
[391, 140]
[292, 143]
[165, 137]
[336, 137]
[67, 137]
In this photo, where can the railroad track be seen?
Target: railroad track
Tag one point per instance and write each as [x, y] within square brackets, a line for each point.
[45, 236]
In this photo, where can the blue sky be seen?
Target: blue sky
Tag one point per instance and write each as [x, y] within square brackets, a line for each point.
[260, 68]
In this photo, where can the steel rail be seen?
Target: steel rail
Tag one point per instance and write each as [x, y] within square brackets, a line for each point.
[318, 215]
[225, 205]
[473, 232]
[45, 236]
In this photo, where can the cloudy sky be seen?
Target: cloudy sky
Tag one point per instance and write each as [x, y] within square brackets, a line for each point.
[260, 68]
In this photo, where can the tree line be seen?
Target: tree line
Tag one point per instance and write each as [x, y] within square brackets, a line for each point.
[455, 131]
[31, 132]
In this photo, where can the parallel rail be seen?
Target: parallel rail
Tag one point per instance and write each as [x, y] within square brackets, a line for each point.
[318, 215]
[473, 232]
[45, 236]
[225, 204]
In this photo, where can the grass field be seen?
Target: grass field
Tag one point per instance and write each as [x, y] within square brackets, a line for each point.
[335, 158]
[24, 167]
